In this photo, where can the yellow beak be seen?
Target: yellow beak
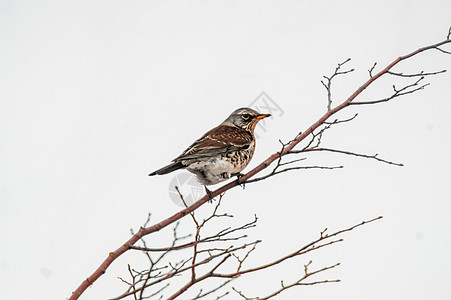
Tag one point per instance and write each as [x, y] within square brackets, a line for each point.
[262, 116]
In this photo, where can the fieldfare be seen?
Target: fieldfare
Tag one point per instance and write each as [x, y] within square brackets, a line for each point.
[222, 152]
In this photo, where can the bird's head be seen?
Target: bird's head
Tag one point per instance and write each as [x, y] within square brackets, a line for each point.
[245, 118]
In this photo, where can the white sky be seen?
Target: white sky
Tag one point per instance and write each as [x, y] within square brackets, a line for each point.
[96, 94]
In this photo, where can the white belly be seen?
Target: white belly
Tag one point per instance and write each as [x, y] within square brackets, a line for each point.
[213, 171]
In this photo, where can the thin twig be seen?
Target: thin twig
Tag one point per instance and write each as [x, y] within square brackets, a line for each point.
[375, 156]
[421, 74]
[405, 90]
[328, 85]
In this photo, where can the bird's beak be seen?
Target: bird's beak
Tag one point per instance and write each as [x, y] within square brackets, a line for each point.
[262, 116]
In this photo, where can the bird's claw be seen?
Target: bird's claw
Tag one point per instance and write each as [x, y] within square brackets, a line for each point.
[239, 175]
[209, 193]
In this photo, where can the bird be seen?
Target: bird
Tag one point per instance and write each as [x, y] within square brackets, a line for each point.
[222, 152]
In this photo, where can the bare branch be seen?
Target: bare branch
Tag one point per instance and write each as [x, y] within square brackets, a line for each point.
[375, 156]
[338, 121]
[405, 90]
[201, 294]
[370, 71]
[199, 279]
[217, 237]
[328, 85]
[421, 74]
[223, 235]
[307, 248]
[298, 282]
[293, 168]
[443, 51]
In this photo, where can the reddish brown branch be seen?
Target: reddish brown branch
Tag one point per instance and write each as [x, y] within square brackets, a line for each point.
[112, 256]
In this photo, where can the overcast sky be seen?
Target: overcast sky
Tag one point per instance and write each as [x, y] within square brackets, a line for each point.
[94, 95]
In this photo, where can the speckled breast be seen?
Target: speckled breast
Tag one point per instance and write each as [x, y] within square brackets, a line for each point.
[241, 158]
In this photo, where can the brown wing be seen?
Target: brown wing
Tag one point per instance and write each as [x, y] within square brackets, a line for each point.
[221, 139]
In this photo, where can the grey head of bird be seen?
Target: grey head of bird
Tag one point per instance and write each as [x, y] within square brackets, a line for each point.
[245, 118]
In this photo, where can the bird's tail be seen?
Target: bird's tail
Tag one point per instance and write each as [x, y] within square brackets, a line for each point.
[168, 169]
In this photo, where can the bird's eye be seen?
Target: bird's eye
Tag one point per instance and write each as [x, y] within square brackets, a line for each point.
[246, 117]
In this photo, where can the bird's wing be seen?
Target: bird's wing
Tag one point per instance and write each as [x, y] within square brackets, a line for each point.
[221, 139]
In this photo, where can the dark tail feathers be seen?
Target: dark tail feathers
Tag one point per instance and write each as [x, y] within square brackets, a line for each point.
[168, 169]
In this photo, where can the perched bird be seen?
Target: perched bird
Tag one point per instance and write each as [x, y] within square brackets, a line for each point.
[222, 152]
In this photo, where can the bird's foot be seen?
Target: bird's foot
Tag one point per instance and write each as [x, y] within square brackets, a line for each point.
[209, 193]
[239, 175]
